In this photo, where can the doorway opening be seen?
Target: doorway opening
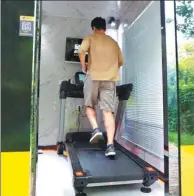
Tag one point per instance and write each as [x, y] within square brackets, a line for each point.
[131, 25]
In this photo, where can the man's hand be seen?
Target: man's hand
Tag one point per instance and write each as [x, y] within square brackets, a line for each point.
[83, 63]
[82, 53]
[84, 70]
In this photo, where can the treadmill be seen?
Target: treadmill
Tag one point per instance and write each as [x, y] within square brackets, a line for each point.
[89, 164]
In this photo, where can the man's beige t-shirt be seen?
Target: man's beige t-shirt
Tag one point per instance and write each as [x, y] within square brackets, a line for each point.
[104, 57]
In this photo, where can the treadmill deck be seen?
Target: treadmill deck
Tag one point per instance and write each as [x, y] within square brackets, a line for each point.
[101, 168]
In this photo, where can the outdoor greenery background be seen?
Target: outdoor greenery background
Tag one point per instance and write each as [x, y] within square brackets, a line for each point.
[185, 25]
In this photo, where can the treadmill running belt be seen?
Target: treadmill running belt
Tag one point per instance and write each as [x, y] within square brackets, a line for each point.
[122, 168]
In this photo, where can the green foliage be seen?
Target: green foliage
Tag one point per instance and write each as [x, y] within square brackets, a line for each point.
[185, 10]
[186, 92]
[186, 74]
[187, 107]
[172, 100]
[189, 47]
[186, 139]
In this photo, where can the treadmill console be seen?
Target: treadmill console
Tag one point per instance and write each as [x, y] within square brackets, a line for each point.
[74, 88]
[79, 78]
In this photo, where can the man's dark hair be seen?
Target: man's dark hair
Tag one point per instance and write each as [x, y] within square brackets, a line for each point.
[99, 23]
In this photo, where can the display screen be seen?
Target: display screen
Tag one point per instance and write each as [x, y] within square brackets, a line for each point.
[82, 77]
[72, 49]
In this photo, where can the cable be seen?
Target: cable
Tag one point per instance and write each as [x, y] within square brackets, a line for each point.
[84, 116]
[80, 113]
[78, 128]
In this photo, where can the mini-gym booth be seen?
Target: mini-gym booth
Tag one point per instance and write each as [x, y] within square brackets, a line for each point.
[45, 147]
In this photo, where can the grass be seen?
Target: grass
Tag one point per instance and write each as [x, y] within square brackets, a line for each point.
[186, 139]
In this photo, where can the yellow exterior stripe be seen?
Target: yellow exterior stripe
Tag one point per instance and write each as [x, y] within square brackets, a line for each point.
[187, 170]
[15, 173]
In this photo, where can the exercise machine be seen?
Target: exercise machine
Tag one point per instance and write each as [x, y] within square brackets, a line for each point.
[89, 165]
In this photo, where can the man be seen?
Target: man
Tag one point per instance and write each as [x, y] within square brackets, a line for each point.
[104, 60]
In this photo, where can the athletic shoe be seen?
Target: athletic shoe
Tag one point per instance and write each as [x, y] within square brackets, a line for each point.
[96, 136]
[110, 151]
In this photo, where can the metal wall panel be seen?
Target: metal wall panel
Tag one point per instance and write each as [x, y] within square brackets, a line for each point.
[17, 52]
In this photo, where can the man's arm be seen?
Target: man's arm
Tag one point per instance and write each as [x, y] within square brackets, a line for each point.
[82, 53]
[120, 57]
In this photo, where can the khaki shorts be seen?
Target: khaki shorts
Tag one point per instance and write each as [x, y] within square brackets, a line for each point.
[100, 92]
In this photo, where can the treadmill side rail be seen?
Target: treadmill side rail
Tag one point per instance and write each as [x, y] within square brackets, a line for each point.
[150, 174]
[80, 176]
[74, 160]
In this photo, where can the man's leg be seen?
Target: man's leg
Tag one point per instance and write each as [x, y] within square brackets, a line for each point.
[91, 97]
[91, 113]
[109, 123]
[97, 134]
[107, 104]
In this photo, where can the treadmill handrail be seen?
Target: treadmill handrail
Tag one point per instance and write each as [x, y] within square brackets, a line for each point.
[76, 91]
